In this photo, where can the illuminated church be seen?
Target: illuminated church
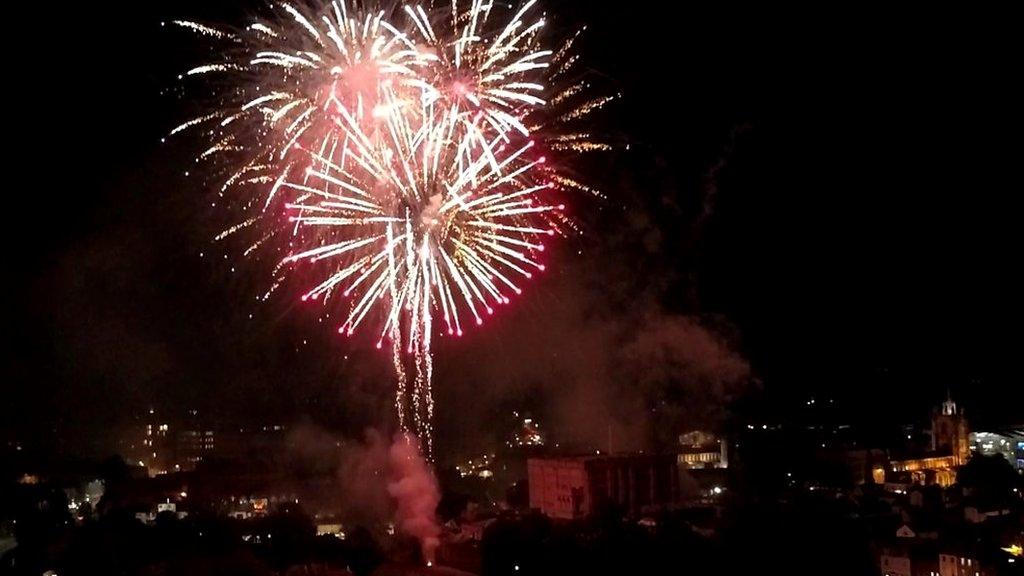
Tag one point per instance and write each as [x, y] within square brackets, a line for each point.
[948, 450]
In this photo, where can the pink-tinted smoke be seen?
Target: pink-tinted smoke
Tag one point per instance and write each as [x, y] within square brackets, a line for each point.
[416, 494]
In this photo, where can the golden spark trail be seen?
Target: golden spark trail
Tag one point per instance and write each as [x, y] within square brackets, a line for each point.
[395, 158]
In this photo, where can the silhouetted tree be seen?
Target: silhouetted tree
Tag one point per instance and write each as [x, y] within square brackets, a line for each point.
[518, 496]
[990, 480]
[365, 554]
[114, 471]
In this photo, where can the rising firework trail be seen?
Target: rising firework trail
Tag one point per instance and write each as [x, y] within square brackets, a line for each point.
[397, 154]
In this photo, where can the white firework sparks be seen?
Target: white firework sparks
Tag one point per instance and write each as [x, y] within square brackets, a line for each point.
[401, 143]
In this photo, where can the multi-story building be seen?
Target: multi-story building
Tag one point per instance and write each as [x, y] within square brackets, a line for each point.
[699, 449]
[573, 487]
[192, 446]
[162, 447]
[157, 445]
[951, 564]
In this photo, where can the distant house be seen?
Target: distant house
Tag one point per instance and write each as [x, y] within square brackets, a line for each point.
[912, 558]
[905, 531]
[895, 564]
[957, 565]
[975, 516]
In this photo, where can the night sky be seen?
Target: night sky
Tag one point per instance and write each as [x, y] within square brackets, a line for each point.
[833, 194]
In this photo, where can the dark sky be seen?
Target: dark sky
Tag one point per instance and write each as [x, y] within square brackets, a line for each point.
[839, 189]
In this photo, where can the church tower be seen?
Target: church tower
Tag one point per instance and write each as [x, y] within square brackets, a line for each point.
[950, 433]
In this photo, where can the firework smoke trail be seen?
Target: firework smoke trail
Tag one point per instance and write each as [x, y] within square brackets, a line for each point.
[396, 153]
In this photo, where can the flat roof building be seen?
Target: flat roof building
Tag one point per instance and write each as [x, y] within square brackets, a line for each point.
[574, 487]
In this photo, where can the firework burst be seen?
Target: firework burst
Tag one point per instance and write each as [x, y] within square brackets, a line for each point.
[397, 152]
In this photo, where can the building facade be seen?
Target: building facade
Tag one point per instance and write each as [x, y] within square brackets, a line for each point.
[949, 434]
[895, 565]
[949, 448]
[956, 565]
[575, 487]
[699, 449]
[192, 446]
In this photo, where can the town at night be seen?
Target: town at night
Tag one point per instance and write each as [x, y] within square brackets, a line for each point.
[468, 287]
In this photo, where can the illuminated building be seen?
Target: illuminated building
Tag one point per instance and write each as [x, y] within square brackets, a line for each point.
[527, 433]
[481, 467]
[530, 434]
[192, 446]
[574, 487]
[949, 433]
[949, 449]
[1007, 442]
[335, 529]
[867, 464]
[163, 447]
[903, 560]
[939, 470]
[878, 474]
[958, 565]
[245, 507]
[699, 449]
[156, 446]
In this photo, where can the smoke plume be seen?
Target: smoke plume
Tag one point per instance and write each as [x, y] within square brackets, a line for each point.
[416, 494]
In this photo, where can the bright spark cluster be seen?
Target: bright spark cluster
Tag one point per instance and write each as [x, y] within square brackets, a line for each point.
[398, 152]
